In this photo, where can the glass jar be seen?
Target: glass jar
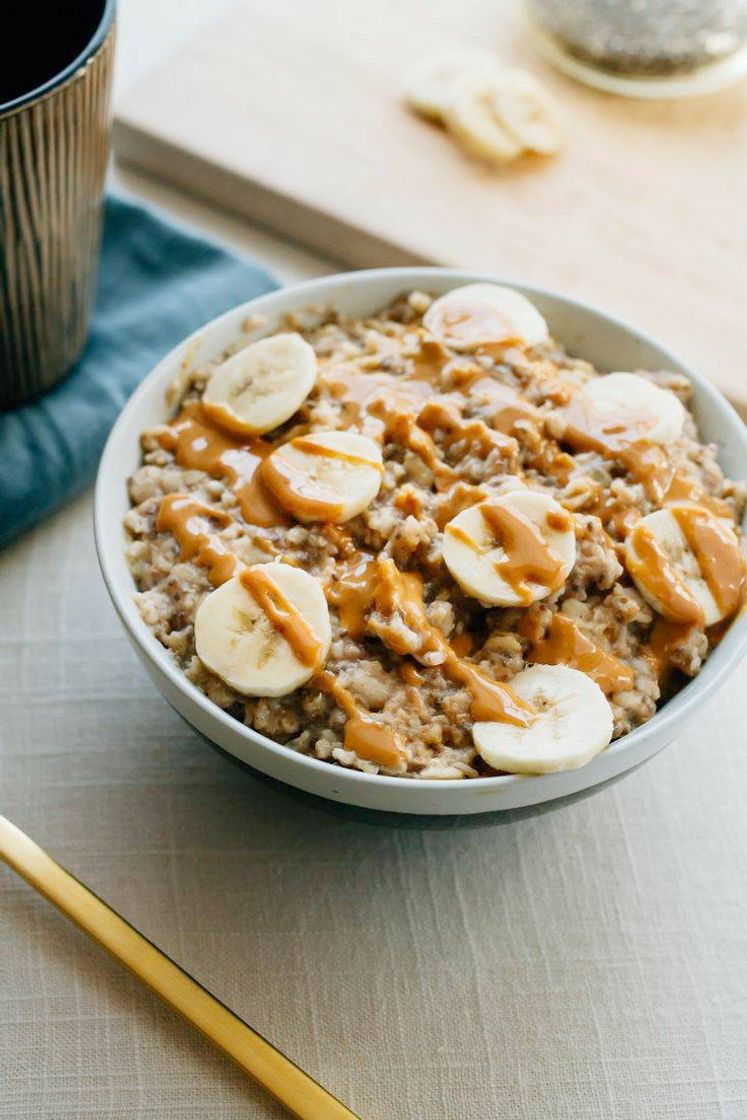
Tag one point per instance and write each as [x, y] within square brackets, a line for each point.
[688, 42]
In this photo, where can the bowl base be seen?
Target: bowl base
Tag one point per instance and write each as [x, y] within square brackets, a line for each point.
[410, 821]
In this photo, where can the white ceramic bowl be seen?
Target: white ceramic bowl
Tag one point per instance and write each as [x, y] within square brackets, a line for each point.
[587, 333]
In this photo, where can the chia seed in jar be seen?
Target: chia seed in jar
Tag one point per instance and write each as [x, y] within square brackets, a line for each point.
[652, 38]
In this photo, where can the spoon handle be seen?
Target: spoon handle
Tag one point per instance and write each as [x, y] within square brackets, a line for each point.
[301, 1095]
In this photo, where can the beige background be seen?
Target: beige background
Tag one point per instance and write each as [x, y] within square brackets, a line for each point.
[589, 963]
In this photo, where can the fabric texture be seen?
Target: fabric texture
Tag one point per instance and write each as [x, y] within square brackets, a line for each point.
[589, 964]
[157, 283]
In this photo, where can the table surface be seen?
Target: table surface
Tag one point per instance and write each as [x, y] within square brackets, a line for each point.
[588, 963]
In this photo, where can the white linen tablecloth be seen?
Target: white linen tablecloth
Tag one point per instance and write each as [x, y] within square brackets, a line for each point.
[587, 963]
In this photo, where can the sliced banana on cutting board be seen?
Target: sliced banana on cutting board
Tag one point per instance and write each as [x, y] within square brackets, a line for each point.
[325, 476]
[262, 385]
[496, 117]
[511, 551]
[527, 110]
[687, 564]
[573, 724]
[266, 631]
[429, 81]
[483, 314]
[495, 114]
[472, 118]
[634, 400]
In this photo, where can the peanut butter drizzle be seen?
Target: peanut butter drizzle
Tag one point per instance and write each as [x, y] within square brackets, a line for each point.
[367, 737]
[372, 740]
[554, 388]
[409, 674]
[565, 644]
[263, 545]
[506, 406]
[409, 501]
[528, 556]
[491, 701]
[188, 520]
[717, 551]
[462, 374]
[257, 506]
[340, 539]
[198, 444]
[358, 388]
[684, 489]
[652, 566]
[296, 490]
[666, 638]
[446, 416]
[395, 402]
[402, 426]
[283, 615]
[429, 359]
[458, 497]
[622, 438]
[470, 324]
[401, 593]
[352, 594]
[650, 464]
[463, 644]
[413, 431]
[312, 447]
[558, 520]
[615, 514]
[550, 460]
[461, 535]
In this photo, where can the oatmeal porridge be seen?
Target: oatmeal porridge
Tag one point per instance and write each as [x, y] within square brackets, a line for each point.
[429, 543]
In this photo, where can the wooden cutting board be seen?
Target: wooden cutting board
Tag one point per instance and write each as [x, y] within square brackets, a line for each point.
[290, 112]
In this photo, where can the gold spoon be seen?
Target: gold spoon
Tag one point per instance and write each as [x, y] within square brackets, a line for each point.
[301, 1095]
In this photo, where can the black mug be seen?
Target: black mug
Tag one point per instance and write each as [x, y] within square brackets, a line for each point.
[55, 86]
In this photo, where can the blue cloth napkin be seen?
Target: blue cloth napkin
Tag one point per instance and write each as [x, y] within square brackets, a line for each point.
[157, 283]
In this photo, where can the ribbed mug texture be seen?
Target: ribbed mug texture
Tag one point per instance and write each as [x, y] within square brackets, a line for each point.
[53, 157]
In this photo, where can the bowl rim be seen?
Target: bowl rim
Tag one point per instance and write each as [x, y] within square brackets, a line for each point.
[722, 660]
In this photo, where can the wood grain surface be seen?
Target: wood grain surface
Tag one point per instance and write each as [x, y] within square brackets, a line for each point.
[291, 114]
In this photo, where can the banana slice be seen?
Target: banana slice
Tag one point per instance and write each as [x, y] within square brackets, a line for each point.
[324, 476]
[261, 386]
[481, 314]
[429, 82]
[265, 632]
[687, 564]
[512, 550]
[573, 724]
[471, 116]
[638, 404]
[527, 110]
